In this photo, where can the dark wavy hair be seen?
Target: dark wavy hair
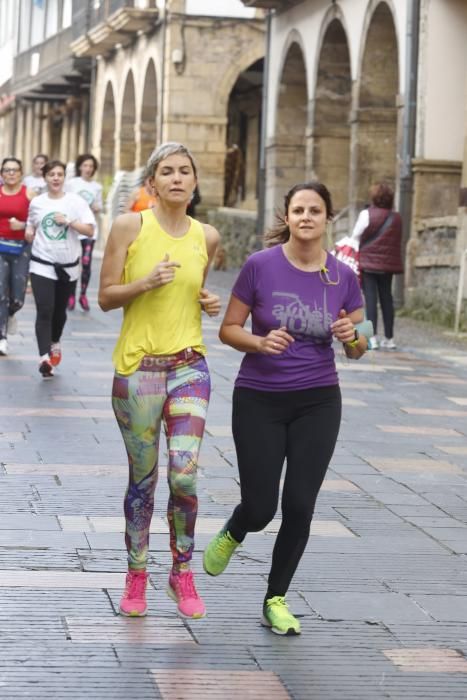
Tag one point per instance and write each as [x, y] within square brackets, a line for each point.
[382, 195]
[51, 164]
[279, 232]
[11, 158]
[80, 160]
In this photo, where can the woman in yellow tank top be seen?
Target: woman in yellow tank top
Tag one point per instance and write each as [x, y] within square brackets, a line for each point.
[155, 265]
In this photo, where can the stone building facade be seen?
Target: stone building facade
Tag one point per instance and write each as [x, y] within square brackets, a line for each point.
[375, 89]
[187, 80]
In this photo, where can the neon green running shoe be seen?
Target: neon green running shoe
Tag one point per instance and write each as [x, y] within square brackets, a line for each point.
[277, 616]
[218, 552]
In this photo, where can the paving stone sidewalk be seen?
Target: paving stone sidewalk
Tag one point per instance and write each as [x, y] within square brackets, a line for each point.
[381, 590]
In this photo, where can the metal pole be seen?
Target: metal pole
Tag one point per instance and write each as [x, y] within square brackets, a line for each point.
[408, 135]
[262, 151]
[460, 292]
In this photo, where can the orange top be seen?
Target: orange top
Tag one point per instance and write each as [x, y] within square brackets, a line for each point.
[143, 200]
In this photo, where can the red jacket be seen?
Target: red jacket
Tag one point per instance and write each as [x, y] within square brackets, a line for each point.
[383, 253]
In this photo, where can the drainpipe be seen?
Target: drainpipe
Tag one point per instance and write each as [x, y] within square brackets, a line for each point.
[164, 42]
[408, 135]
[262, 147]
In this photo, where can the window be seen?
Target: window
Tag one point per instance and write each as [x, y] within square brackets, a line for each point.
[51, 26]
[67, 13]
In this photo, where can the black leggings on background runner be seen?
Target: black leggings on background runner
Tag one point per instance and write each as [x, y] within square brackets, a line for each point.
[269, 427]
[378, 284]
[51, 297]
[87, 246]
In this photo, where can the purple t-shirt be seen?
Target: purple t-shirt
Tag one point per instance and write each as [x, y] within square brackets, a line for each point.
[307, 303]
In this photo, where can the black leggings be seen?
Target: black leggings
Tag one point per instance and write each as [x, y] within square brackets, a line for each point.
[378, 284]
[51, 297]
[269, 427]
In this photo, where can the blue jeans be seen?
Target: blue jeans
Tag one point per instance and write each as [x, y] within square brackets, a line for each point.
[13, 280]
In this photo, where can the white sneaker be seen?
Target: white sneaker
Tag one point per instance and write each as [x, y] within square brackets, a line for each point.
[12, 327]
[373, 343]
[388, 343]
[3, 346]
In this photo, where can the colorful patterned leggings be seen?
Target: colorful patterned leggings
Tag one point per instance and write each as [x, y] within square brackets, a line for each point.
[13, 282]
[174, 392]
[87, 246]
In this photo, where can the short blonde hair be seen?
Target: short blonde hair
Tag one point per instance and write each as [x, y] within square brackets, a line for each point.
[160, 153]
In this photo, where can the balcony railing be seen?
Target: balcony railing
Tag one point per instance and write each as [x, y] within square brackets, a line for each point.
[56, 65]
[112, 22]
[280, 5]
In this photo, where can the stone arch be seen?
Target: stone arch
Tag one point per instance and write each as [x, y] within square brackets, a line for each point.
[377, 113]
[287, 161]
[107, 140]
[127, 125]
[330, 136]
[231, 75]
[243, 137]
[149, 110]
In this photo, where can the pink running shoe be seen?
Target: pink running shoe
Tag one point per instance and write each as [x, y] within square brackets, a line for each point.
[182, 589]
[71, 302]
[83, 301]
[133, 602]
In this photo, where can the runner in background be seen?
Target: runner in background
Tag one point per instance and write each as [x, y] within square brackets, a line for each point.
[55, 222]
[14, 249]
[142, 198]
[91, 191]
[35, 180]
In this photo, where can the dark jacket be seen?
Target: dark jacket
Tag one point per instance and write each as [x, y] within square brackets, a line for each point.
[383, 253]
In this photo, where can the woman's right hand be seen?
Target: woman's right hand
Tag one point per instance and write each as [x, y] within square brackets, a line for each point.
[276, 342]
[163, 273]
[29, 234]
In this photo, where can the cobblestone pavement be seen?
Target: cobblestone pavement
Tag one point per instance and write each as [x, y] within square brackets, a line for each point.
[381, 590]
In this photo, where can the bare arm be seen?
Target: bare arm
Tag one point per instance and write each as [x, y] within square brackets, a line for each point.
[112, 293]
[233, 333]
[210, 302]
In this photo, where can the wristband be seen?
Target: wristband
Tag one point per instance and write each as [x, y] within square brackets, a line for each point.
[353, 343]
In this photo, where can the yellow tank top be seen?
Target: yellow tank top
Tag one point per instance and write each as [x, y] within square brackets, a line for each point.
[167, 319]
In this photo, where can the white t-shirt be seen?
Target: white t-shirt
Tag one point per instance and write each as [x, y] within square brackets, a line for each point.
[38, 184]
[89, 190]
[57, 242]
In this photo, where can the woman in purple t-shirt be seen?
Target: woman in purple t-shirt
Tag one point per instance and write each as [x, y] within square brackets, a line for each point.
[286, 401]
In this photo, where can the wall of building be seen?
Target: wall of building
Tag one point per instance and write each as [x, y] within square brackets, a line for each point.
[197, 64]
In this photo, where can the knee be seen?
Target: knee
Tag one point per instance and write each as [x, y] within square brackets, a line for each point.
[258, 518]
[182, 477]
[16, 305]
[298, 516]
[44, 312]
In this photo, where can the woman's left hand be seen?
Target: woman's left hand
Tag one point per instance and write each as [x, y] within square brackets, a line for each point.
[16, 225]
[210, 303]
[343, 329]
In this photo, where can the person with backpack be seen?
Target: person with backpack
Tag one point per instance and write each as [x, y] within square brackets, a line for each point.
[378, 231]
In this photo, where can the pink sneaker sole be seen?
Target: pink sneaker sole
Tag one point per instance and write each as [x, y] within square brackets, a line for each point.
[133, 613]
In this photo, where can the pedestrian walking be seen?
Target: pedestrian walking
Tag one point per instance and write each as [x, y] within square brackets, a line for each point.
[14, 249]
[56, 220]
[155, 265]
[35, 180]
[86, 186]
[286, 399]
[378, 231]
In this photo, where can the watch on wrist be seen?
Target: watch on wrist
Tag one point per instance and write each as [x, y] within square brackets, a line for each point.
[354, 342]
